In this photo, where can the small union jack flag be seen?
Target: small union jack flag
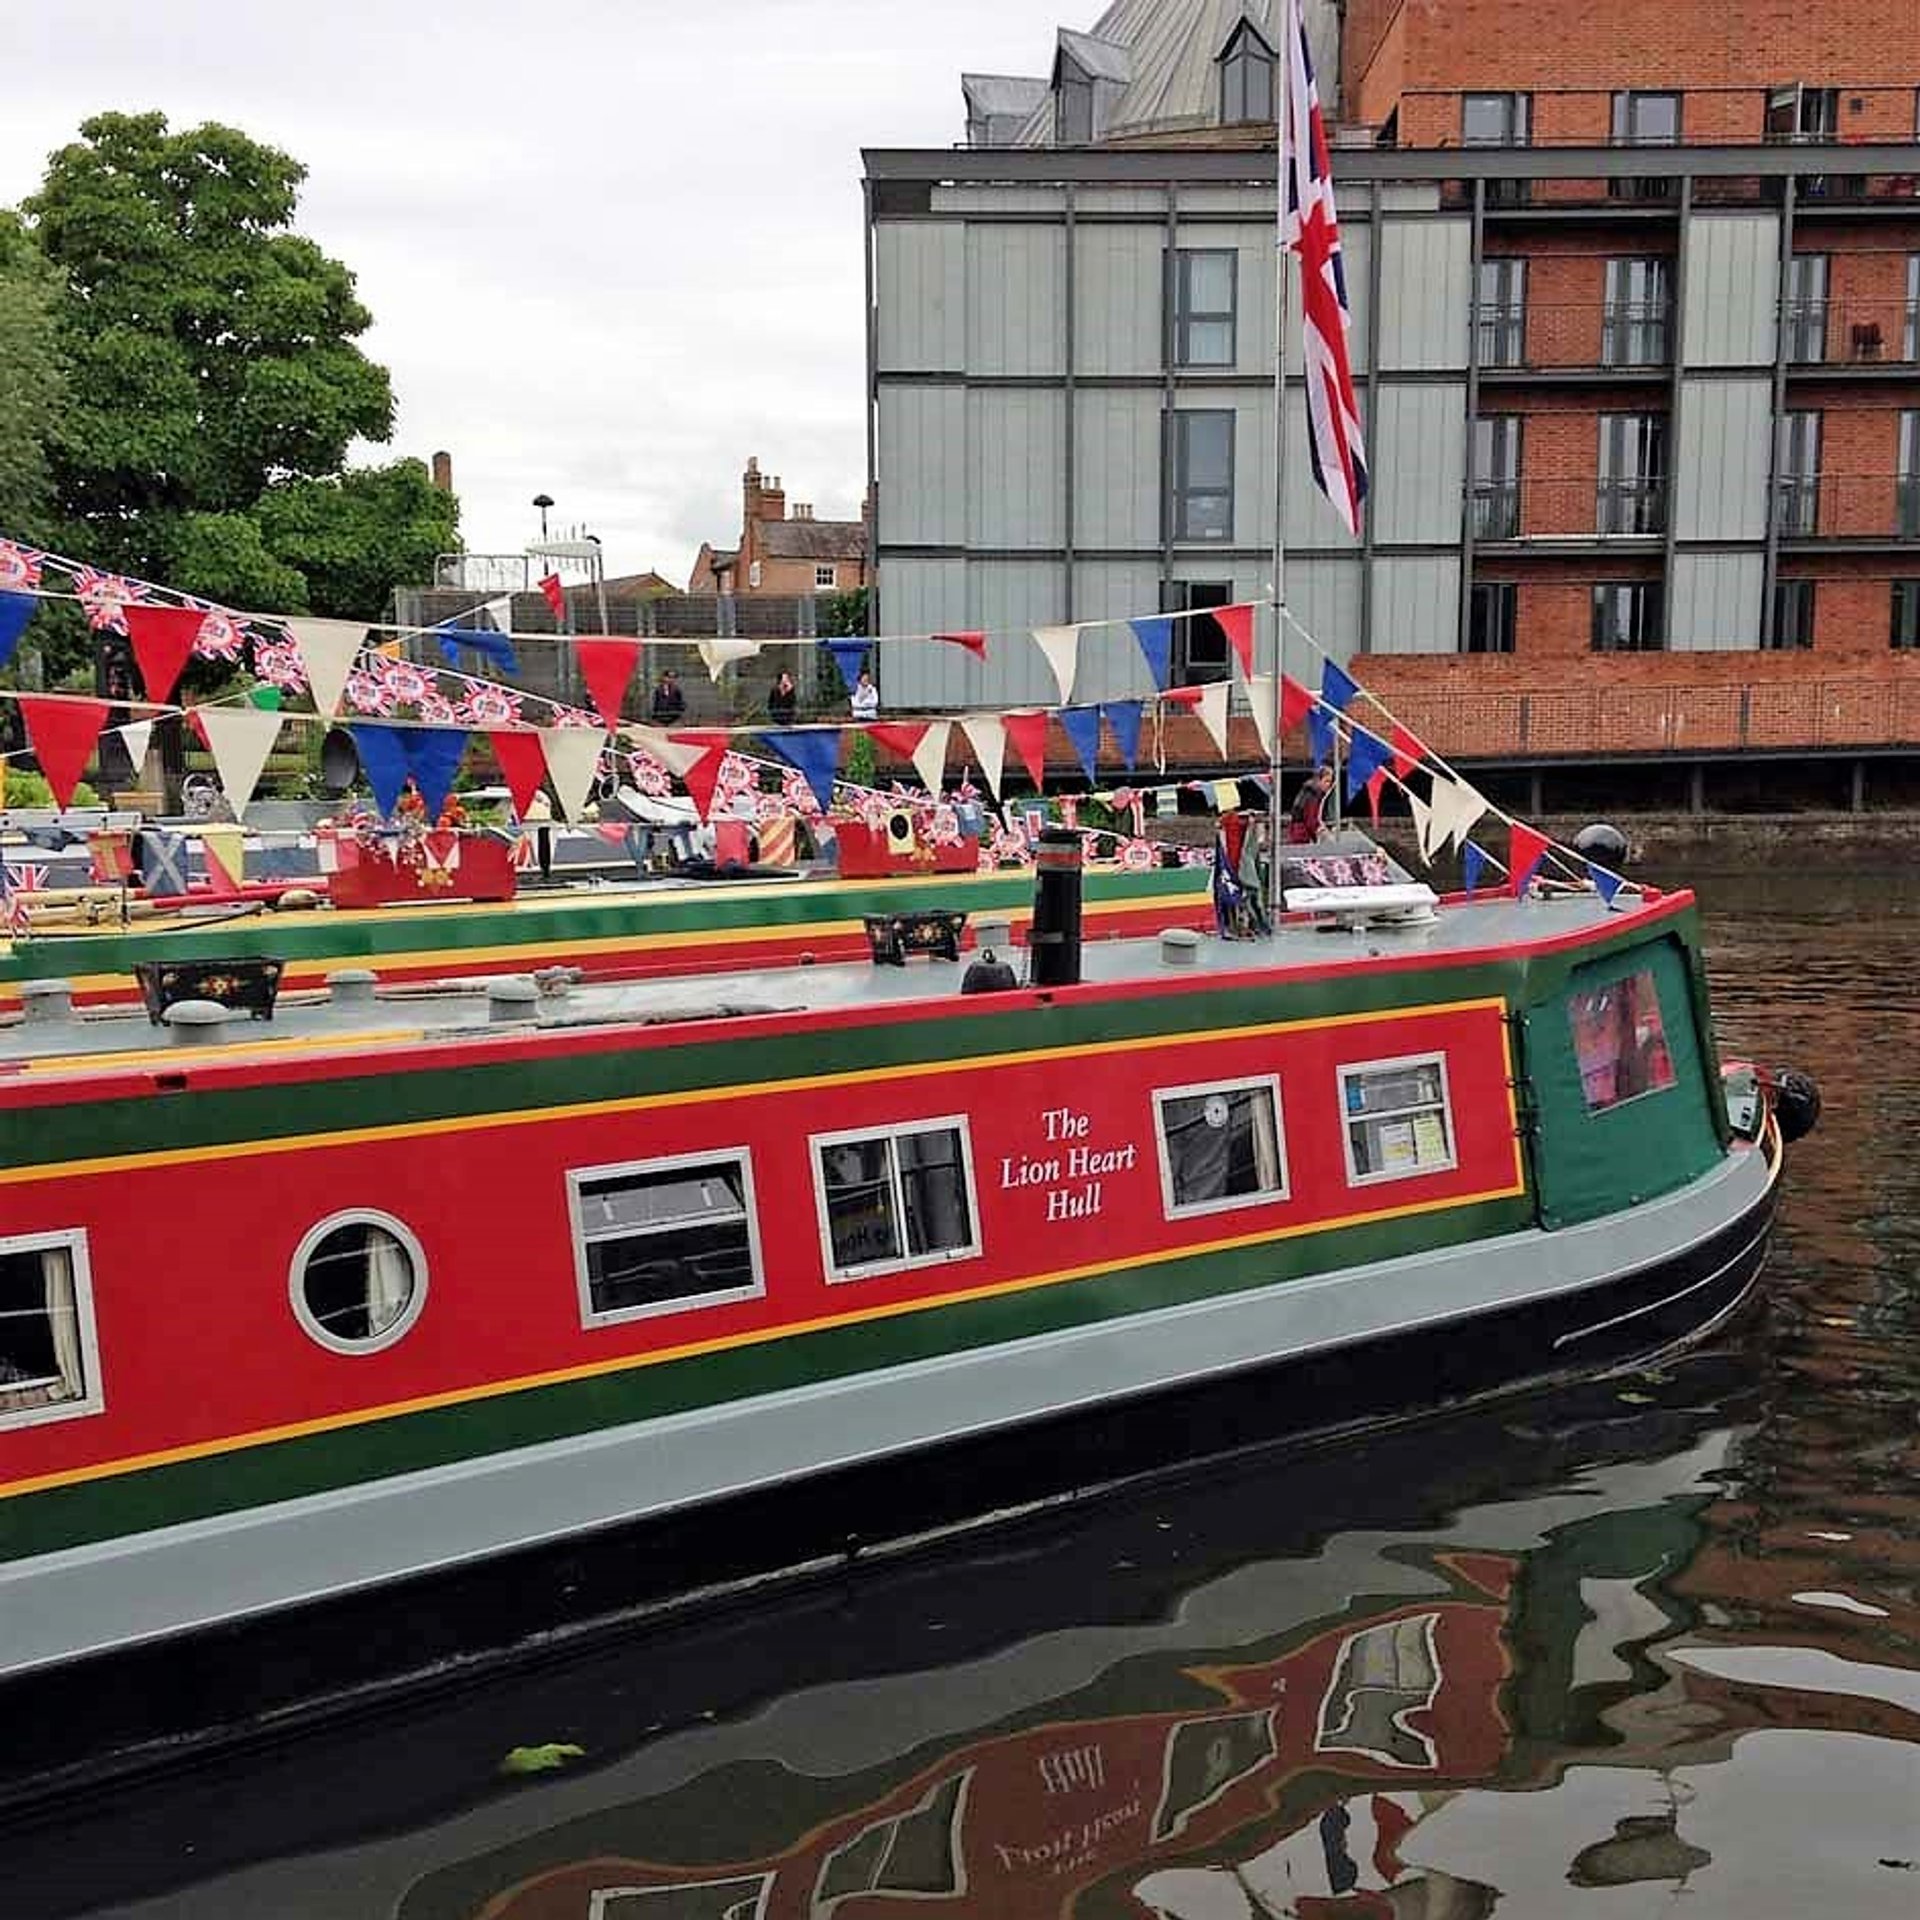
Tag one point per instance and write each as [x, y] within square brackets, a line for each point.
[106, 597]
[19, 568]
[15, 885]
[1310, 227]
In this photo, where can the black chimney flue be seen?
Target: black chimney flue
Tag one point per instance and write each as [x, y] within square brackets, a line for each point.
[1055, 937]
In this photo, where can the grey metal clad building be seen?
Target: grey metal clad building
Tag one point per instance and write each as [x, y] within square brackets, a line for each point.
[1071, 351]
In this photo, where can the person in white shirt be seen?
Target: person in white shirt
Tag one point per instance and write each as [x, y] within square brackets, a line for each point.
[866, 697]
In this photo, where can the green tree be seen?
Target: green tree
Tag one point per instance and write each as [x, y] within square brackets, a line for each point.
[32, 383]
[356, 537]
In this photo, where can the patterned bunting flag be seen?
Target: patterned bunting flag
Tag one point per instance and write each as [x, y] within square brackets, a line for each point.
[162, 640]
[1082, 728]
[1061, 645]
[607, 667]
[62, 731]
[106, 598]
[815, 751]
[19, 567]
[1237, 624]
[1472, 864]
[1028, 734]
[1527, 848]
[1154, 631]
[16, 609]
[1123, 717]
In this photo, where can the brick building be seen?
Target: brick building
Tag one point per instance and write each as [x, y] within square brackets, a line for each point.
[1636, 327]
[780, 550]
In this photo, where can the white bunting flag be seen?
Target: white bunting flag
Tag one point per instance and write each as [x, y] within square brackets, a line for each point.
[1212, 709]
[672, 754]
[1454, 808]
[239, 738]
[1468, 805]
[328, 649]
[500, 612]
[1422, 825]
[721, 654]
[573, 758]
[930, 756]
[137, 736]
[1260, 698]
[988, 736]
[1061, 645]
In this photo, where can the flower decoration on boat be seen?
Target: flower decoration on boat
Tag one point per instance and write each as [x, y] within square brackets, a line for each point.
[648, 775]
[19, 568]
[367, 692]
[406, 685]
[434, 707]
[278, 663]
[219, 637]
[487, 706]
[106, 598]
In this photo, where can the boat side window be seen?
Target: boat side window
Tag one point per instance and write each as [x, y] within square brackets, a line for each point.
[358, 1281]
[1398, 1118]
[1220, 1146]
[1620, 1041]
[659, 1236]
[900, 1197]
[49, 1366]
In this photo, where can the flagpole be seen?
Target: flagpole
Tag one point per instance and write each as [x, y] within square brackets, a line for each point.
[1282, 96]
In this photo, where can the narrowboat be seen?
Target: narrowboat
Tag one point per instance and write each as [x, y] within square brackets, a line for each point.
[394, 1287]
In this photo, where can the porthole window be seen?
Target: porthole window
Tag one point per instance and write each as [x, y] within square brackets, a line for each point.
[359, 1281]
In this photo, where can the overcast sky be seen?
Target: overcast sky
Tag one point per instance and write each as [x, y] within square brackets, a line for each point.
[611, 247]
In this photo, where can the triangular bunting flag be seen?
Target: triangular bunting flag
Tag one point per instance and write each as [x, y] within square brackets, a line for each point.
[1606, 884]
[607, 667]
[1337, 687]
[901, 737]
[701, 776]
[328, 649]
[974, 642]
[137, 736]
[1472, 864]
[930, 756]
[1237, 624]
[1407, 751]
[16, 609]
[573, 758]
[1061, 645]
[383, 759]
[523, 765]
[62, 733]
[1322, 731]
[434, 754]
[494, 648]
[1028, 733]
[1155, 633]
[1212, 709]
[1468, 805]
[1082, 728]
[1366, 755]
[673, 754]
[1422, 826]
[814, 750]
[239, 738]
[1260, 699]
[1123, 716]
[555, 595]
[500, 612]
[163, 640]
[988, 738]
[721, 654]
[1296, 703]
[849, 656]
[1525, 851]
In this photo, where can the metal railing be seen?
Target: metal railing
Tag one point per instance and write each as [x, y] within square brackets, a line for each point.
[1542, 336]
[1847, 506]
[1636, 333]
[1851, 333]
[1531, 508]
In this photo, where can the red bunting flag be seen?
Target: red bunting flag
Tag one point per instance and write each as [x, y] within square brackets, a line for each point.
[556, 595]
[702, 775]
[1028, 734]
[1237, 624]
[607, 666]
[163, 640]
[523, 765]
[1295, 703]
[62, 733]
[900, 737]
[1183, 696]
[975, 643]
[1524, 854]
[1407, 751]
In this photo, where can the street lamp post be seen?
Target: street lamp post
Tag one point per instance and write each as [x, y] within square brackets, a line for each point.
[543, 501]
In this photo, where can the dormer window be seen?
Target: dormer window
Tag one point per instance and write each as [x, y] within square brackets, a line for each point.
[1246, 76]
[1073, 105]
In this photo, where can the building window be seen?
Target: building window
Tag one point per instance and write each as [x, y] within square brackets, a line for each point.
[1398, 1119]
[1205, 290]
[1792, 614]
[1906, 613]
[1633, 473]
[1636, 327]
[1202, 474]
[1220, 1146]
[1910, 345]
[1797, 490]
[1906, 486]
[358, 1282]
[824, 579]
[1627, 616]
[1496, 442]
[49, 1368]
[657, 1236]
[753, 573]
[1246, 77]
[1490, 616]
[1803, 316]
[1500, 313]
[900, 1198]
[1646, 120]
[1497, 120]
[1619, 1041]
[1073, 105]
[1200, 650]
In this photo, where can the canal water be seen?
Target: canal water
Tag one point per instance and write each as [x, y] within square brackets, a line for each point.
[1648, 1647]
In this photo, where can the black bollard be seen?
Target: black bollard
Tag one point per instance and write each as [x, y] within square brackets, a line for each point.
[1055, 938]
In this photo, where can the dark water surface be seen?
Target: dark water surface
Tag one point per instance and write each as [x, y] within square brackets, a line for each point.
[1649, 1647]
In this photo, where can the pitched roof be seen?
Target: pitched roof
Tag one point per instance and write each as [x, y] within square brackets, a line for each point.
[814, 539]
[1002, 93]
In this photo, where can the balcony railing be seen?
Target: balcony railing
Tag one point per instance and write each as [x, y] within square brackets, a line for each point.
[1566, 510]
[1796, 504]
[1502, 334]
[1632, 506]
[1636, 333]
[1851, 333]
[1847, 506]
[1493, 509]
[1803, 331]
[1545, 336]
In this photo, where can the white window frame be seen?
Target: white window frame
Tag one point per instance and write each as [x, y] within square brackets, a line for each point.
[1228, 1202]
[297, 1273]
[1398, 1062]
[94, 1399]
[826, 579]
[753, 573]
[590, 1315]
[890, 1131]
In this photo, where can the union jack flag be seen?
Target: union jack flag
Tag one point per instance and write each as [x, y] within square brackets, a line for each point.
[19, 568]
[1310, 227]
[106, 598]
[15, 885]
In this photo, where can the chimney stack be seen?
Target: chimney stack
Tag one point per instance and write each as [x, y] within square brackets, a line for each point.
[443, 472]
